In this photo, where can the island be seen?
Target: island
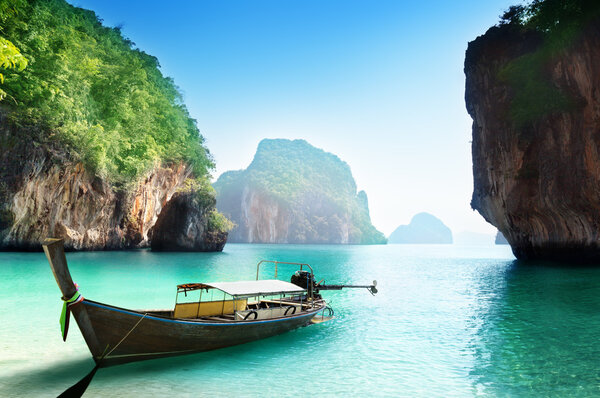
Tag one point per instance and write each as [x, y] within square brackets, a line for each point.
[423, 228]
[94, 141]
[293, 192]
[500, 239]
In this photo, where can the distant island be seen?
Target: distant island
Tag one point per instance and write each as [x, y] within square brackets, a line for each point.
[94, 141]
[423, 228]
[293, 192]
[500, 239]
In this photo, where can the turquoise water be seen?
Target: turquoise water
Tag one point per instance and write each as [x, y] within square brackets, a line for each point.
[448, 321]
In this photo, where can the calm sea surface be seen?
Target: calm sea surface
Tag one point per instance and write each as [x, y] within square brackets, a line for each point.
[448, 321]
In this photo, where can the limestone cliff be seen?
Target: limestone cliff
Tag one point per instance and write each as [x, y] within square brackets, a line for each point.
[536, 138]
[295, 193]
[44, 192]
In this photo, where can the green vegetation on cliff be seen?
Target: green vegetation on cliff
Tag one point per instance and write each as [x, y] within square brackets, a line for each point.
[288, 169]
[315, 188]
[10, 58]
[557, 23]
[88, 88]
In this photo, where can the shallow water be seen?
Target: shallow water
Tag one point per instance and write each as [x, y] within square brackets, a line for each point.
[447, 321]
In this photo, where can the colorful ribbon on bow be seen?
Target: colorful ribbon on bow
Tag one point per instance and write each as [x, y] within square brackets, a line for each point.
[66, 312]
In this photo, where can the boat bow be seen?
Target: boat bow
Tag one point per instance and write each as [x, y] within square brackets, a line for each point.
[55, 253]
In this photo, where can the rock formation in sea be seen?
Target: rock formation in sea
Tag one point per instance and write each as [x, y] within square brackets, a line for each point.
[534, 97]
[94, 140]
[500, 239]
[45, 193]
[293, 192]
[423, 228]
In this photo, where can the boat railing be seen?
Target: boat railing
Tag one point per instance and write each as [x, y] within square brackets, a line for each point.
[281, 262]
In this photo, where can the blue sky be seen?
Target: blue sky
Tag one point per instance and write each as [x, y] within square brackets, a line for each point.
[378, 83]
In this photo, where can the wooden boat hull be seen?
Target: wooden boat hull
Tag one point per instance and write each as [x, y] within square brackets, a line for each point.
[116, 335]
[137, 336]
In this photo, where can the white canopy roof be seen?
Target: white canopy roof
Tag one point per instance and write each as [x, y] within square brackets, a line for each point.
[256, 288]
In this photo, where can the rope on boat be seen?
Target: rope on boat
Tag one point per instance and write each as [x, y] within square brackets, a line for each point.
[124, 337]
[66, 312]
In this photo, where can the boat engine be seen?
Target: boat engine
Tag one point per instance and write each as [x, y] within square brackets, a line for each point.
[305, 280]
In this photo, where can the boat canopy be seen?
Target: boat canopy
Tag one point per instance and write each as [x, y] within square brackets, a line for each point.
[246, 288]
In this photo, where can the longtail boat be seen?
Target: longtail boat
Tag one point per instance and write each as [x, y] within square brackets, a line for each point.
[221, 314]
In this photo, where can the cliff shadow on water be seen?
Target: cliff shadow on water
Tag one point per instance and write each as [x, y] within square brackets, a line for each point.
[536, 331]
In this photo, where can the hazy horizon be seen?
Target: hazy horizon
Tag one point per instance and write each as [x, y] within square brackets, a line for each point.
[380, 85]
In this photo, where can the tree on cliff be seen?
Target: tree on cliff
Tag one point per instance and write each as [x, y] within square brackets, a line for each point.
[513, 16]
[10, 58]
[552, 15]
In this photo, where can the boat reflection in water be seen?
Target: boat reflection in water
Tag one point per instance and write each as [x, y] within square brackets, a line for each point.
[206, 316]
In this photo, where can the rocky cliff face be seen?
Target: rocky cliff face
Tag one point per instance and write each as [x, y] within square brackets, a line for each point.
[182, 226]
[44, 193]
[314, 219]
[295, 193]
[262, 219]
[537, 180]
